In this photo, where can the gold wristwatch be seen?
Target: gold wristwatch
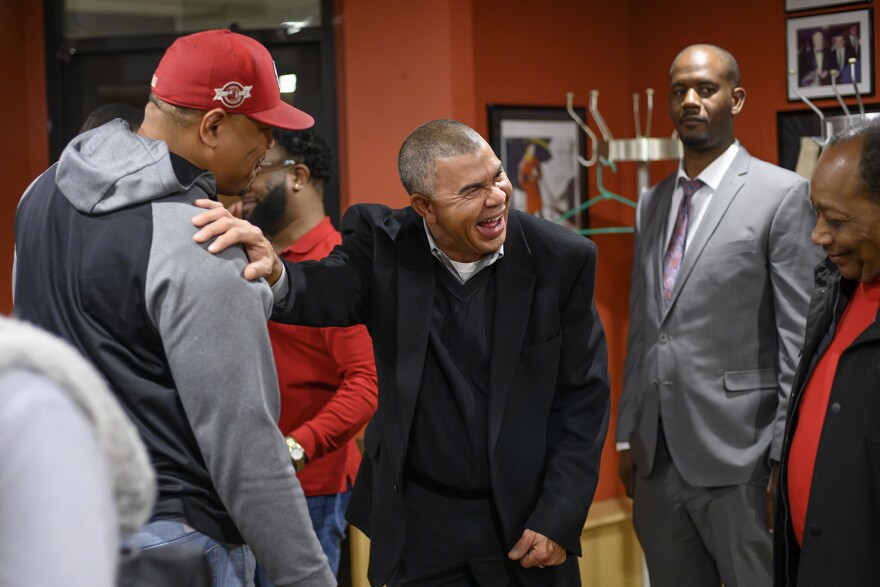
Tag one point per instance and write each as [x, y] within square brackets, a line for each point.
[297, 453]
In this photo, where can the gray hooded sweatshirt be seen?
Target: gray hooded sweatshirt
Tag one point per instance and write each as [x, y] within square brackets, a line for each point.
[105, 259]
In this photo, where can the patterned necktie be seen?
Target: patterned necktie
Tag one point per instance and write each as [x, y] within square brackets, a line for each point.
[678, 240]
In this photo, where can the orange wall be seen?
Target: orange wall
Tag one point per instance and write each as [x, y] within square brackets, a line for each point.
[403, 66]
[528, 53]
[405, 62]
[401, 63]
[754, 31]
[24, 150]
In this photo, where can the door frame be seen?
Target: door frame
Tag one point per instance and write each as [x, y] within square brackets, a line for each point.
[59, 51]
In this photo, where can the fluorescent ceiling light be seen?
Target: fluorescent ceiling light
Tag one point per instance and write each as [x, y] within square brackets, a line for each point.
[291, 27]
[287, 83]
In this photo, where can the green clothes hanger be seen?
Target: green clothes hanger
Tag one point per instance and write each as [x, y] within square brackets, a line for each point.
[604, 194]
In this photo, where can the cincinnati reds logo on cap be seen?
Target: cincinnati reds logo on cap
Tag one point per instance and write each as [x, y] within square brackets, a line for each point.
[232, 94]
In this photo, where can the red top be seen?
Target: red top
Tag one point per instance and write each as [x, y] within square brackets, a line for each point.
[859, 314]
[328, 384]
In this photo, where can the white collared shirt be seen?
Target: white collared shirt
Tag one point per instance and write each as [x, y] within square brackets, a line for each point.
[462, 271]
[711, 178]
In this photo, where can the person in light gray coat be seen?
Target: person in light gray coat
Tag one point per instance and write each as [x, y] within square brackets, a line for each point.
[75, 477]
[720, 288]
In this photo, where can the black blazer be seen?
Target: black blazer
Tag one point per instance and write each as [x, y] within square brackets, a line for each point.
[549, 390]
[841, 537]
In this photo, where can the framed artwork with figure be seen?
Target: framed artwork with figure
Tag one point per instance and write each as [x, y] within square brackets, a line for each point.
[539, 148]
[818, 46]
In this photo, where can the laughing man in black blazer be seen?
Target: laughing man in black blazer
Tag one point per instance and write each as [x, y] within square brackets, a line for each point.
[482, 459]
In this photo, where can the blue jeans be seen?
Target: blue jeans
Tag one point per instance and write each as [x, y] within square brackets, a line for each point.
[232, 565]
[328, 520]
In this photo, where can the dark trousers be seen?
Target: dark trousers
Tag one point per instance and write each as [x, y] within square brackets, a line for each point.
[456, 541]
[701, 536]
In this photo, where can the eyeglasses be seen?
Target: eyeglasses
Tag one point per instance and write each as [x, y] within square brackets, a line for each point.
[266, 166]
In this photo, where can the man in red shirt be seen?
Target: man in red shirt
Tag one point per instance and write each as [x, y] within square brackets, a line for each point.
[826, 527]
[327, 376]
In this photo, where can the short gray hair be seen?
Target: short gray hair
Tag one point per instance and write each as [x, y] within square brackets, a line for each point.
[438, 139]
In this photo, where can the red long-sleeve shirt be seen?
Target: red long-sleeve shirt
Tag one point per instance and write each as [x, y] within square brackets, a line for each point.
[328, 383]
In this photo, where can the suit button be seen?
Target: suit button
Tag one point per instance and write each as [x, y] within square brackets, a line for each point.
[815, 530]
[663, 337]
[835, 408]
[396, 490]
[656, 383]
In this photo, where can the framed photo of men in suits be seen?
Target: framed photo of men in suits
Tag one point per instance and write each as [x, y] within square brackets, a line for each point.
[539, 148]
[830, 50]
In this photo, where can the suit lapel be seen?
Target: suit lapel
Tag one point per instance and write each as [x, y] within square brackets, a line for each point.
[730, 186]
[656, 217]
[514, 285]
[415, 303]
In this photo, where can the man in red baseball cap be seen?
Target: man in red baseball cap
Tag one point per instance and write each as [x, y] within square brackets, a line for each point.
[226, 83]
[106, 260]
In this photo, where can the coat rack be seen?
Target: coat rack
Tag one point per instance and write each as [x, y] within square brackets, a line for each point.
[828, 125]
[606, 152]
[832, 125]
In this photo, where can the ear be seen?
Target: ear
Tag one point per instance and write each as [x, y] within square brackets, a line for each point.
[209, 127]
[423, 206]
[739, 99]
[298, 175]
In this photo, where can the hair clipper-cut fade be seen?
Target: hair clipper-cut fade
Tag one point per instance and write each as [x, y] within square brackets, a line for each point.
[309, 148]
[438, 139]
[179, 116]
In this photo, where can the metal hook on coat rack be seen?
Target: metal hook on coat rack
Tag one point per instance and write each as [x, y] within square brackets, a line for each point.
[831, 125]
[836, 124]
[823, 139]
[834, 75]
[643, 148]
[607, 151]
[852, 76]
[594, 150]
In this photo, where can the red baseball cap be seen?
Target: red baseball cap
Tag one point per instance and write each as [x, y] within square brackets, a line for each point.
[222, 69]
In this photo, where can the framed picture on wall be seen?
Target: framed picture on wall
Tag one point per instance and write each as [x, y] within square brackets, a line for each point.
[539, 147]
[817, 46]
[794, 128]
[795, 5]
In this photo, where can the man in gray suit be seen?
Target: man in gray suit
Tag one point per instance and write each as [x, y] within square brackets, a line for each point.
[720, 289]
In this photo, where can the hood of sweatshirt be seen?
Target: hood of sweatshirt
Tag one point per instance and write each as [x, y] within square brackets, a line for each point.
[110, 168]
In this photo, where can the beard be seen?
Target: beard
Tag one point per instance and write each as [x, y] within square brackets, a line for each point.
[268, 213]
[696, 142]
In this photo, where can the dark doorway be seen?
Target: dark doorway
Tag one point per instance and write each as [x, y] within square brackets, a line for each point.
[84, 73]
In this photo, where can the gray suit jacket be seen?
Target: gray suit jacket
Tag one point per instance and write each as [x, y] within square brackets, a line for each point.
[716, 362]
